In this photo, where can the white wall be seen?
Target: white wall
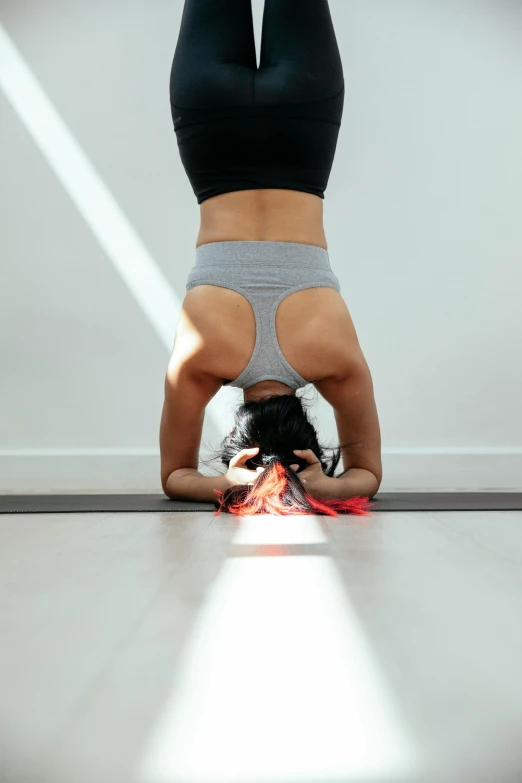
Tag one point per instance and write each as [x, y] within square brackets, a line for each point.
[422, 217]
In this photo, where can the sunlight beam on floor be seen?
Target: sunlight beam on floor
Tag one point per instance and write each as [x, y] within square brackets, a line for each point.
[278, 683]
[268, 529]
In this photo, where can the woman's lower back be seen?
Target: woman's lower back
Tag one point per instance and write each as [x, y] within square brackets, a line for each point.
[263, 215]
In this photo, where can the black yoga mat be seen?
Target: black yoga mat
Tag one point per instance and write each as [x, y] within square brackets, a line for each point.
[384, 501]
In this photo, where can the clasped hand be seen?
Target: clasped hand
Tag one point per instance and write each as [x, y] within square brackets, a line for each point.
[312, 476]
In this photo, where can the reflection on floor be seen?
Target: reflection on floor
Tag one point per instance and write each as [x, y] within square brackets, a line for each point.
[191, 648]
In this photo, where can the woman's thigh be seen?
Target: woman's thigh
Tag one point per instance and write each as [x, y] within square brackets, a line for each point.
[215, 57]
[300, 60]
[215, 61]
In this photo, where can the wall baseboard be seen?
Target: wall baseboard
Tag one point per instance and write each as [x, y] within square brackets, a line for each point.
[138, 470]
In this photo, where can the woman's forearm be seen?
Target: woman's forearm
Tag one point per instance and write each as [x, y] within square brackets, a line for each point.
[190, 484]
[356, 482]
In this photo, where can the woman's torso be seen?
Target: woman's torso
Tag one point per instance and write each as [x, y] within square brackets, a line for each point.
[263, 215]
[314, 328]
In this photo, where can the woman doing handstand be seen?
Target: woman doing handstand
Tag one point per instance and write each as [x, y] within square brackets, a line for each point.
[263, 310]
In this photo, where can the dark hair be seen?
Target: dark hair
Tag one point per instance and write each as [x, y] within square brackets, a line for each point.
[277, 425]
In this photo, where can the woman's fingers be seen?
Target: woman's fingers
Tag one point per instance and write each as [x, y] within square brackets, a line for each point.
[242, 456]
[307, 454]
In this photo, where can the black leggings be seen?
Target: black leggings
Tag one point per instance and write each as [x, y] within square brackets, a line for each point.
[215, 58]
[223, 105]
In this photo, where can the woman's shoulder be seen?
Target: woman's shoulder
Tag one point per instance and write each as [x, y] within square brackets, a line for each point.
[211, 330]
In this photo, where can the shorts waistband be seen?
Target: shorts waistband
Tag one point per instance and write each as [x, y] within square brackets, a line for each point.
[241, 252]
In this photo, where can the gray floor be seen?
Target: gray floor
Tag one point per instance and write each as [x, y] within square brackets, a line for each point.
[183, 647]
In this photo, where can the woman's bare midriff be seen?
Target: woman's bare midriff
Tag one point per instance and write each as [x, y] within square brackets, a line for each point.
[265, 215]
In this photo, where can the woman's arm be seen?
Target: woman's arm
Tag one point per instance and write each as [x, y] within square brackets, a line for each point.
[356, 482]
[189, 484]
[352, 398]
[187, 393]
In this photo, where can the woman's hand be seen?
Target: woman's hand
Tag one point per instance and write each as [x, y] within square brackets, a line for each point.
[314, 480]
[237, 474]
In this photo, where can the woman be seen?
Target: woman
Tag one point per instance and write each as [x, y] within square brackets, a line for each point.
[263, 309]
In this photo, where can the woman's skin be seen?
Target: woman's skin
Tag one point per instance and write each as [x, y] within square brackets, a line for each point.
[272, 215]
